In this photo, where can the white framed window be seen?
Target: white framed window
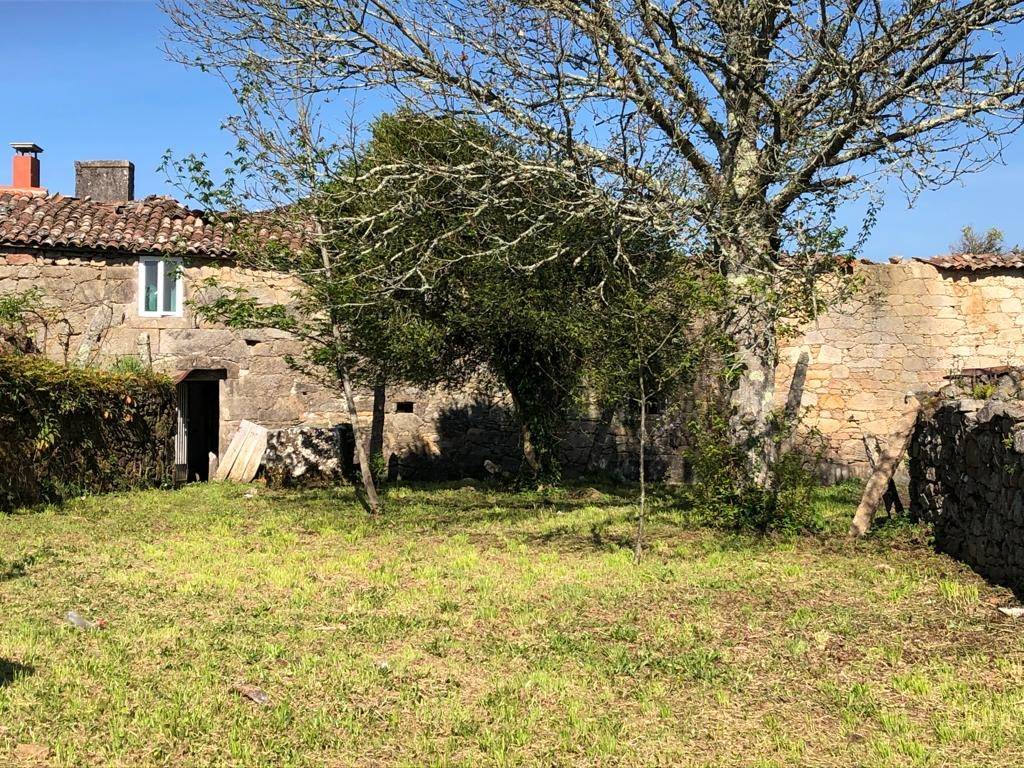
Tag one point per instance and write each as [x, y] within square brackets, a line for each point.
[161, 287]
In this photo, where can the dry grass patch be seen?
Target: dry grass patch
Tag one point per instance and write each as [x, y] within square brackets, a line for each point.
[471, 627]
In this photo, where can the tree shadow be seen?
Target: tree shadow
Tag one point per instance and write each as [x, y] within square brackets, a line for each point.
[479, 440]
[12, 671]
[482, 440]
[796, 387]
[17, 568]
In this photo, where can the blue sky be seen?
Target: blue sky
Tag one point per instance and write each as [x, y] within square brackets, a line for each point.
[88, 80]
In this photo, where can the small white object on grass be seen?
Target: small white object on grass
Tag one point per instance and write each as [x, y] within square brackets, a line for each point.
[75, 618]
[1014, 612]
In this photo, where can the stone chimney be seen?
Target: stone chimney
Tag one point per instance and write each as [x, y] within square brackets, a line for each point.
[105, 181]
[25, 169]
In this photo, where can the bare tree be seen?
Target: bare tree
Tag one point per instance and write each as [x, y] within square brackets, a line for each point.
[752, 118]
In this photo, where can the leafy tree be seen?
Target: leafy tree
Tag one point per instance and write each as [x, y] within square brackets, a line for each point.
[434, 255]
[513, 312]
[976, 242]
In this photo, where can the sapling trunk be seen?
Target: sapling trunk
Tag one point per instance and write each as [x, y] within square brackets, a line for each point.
[638, 545]
[365, 470]
[357, 435]
[377, 422]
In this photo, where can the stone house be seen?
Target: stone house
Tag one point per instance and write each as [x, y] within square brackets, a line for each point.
[116, 274]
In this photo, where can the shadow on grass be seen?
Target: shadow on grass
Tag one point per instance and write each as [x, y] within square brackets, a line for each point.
[573, 517]
[17, 568]
[438, 505]
[12, 671]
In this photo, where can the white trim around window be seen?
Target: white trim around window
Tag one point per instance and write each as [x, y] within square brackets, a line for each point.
[161, 287]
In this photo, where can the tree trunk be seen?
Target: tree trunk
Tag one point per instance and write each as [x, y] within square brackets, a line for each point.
[752, 395]
[747, 248]
[357, 435]
[377, 422]
[350, 402]
[529, 451]
[529, 448]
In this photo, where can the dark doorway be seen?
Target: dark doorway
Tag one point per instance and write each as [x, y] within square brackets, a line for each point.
[198, 395]
[203, 424]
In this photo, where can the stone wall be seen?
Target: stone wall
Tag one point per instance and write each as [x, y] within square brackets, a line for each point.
[91, 316]
[967, 480]
[908, 328]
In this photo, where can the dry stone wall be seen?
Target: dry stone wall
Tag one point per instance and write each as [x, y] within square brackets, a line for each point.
[967, 480]
[909, 327]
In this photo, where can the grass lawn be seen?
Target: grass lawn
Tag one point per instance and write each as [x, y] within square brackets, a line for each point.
[471, 627]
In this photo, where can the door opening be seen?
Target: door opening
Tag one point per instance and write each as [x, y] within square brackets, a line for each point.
[198, 437]
[203, 427]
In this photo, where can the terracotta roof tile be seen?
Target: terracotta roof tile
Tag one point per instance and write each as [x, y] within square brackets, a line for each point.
[976, 262]
[151, 225]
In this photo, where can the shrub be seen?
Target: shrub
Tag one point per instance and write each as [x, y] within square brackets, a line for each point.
[15, 309]
[722, 495]
[983, 391]
[67, 431]
[129, 364]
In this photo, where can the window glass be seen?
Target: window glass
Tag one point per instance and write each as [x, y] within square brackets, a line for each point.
[170, 286]
[150, 285]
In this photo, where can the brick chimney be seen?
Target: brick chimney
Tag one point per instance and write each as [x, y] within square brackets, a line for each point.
[105, 181]
[25, 169]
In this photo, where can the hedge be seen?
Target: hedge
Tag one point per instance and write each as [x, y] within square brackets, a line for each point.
[70, 431]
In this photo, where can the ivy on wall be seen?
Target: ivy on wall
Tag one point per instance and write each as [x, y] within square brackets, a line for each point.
[69, 431]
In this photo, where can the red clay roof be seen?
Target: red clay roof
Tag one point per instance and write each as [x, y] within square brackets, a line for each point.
[976, 262]
[162, 225]
[151, 225]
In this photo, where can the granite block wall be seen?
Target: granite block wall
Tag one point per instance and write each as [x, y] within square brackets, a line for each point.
[91, 316]
[909, 327]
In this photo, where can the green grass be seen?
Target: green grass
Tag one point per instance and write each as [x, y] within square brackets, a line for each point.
[470, 627]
